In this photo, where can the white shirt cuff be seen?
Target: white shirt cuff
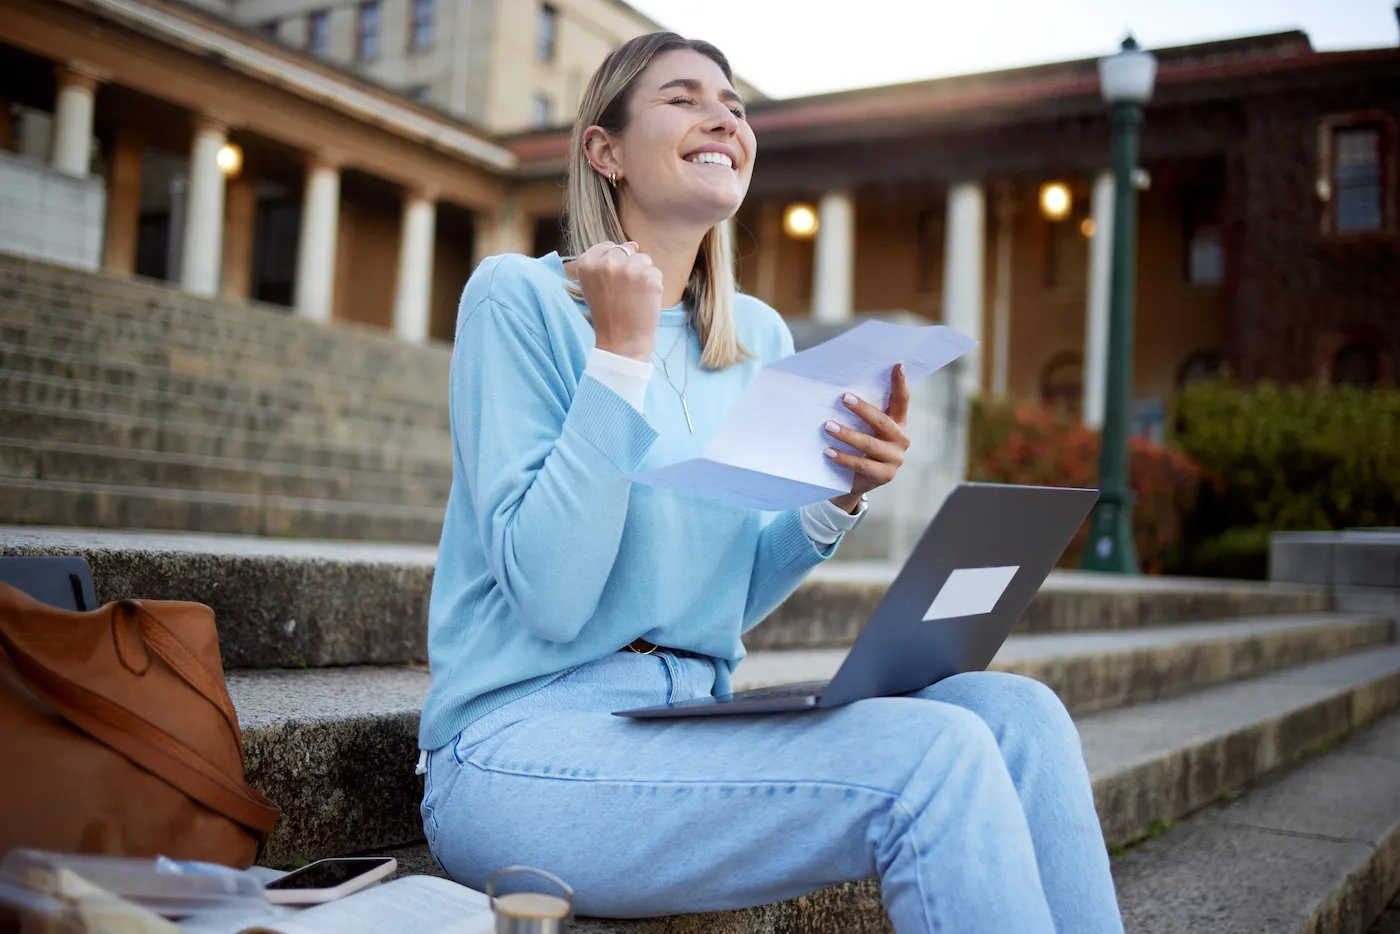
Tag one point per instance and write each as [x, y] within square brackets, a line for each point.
[623, 375]
[825, 521]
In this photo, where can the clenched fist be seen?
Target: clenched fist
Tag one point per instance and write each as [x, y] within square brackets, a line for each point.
[623, 292]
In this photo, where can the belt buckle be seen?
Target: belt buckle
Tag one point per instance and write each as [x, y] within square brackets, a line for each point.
[633, 646]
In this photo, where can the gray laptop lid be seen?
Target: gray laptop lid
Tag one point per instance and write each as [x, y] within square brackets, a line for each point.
[966, 583]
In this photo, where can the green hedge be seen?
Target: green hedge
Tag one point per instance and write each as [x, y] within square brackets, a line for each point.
[1296, 458]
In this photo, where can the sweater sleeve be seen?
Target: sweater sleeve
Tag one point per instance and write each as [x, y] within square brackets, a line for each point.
[548, 475]
[785, 556]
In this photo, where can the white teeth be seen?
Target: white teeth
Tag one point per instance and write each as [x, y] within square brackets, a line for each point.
[718, 158]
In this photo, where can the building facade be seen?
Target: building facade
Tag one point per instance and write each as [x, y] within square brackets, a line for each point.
[506, 65]
[1268, 234]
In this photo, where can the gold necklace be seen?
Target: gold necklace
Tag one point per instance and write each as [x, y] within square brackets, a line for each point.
[666, 371]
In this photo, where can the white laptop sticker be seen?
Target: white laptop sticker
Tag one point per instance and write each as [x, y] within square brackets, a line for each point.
[970, 592]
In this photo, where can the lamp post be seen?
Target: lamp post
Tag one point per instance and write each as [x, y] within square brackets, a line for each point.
[1126, 79]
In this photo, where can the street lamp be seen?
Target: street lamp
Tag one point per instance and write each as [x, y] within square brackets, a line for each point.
[1126, 79]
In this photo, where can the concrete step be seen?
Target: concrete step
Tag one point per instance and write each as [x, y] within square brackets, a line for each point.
[1314, 848]
[842, 596]
[109, 506]
[335, 748]
[430, 455]
[1099, 670]
[149, 309]
[296, 389]
[84, 463]
[58, 325]
[350, 424]
[404, 387]
[167, 408]
[358, 603]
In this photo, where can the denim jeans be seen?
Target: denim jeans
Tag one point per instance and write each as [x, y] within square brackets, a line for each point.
[969, 800]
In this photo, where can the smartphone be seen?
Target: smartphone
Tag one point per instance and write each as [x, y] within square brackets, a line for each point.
[328, 879]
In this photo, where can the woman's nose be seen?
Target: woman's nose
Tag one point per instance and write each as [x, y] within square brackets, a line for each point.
[724, 122]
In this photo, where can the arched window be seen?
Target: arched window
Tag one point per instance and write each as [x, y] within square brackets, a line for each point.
[1357, 363]
[1200, 365]
[1062, 383]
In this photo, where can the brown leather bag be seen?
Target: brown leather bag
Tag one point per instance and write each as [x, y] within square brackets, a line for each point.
[118, 734]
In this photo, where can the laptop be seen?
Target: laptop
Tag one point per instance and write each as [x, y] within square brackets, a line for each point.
[966, 583]
[64, 581]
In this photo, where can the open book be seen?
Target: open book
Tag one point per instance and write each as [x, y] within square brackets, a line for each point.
[417, 904]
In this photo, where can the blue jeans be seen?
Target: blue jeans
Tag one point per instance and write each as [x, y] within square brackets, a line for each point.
[969, 800]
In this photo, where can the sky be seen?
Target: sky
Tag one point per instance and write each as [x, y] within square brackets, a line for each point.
[788, 48]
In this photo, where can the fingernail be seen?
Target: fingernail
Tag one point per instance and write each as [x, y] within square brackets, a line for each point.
[850, 398]
[834, 427]
[830, 452]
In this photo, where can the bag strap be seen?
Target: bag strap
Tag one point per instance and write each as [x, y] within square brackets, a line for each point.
[183, 661]
[145, 743]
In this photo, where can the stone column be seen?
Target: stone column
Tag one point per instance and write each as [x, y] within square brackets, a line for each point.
[203, 240]
[413, 290]
[833, 266]
[1096, 313]
[72, 124]
[1001, 309]
[241, 212]
[320, 215]
[504, 230]
[963, 274]
[123, 203]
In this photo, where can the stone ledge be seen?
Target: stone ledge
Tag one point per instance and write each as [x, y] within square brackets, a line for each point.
[279, 603]
[113, 506]
[1361, 558]
[1320, 847]
[363, 603]
[1101, 670]
[337, 748]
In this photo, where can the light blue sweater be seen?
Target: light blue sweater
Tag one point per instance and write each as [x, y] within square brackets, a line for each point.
[550, 556]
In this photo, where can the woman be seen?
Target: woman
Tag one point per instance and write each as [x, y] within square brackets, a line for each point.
[564, 592]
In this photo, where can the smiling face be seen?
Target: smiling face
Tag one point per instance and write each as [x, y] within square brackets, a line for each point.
[687, 150]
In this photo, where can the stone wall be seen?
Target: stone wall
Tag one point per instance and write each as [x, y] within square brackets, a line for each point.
[47, 215]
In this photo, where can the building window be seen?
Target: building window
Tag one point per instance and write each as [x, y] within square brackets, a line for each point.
[1067, 253]
[1203, 364]
[419, 93]
[1356, 179]
[1062, 383]
[367, 35]
[1204, 253]
[318, 33]
[539, 112]
[547, 28]
[421, 28]
[930, 246]
[270, 28]
[1358, 363]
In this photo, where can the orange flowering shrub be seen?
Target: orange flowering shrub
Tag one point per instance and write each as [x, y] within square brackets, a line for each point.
[1032, 444]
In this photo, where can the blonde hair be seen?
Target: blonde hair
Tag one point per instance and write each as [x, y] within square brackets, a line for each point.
[590, 201]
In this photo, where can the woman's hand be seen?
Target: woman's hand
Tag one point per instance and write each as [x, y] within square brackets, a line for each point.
[881, 453]
[623, 292]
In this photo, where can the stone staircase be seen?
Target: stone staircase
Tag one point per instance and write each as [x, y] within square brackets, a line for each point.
[1242, 739]
[127, 405]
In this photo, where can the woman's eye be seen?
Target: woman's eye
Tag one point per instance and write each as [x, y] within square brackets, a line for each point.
[737, 111]
[683, 100]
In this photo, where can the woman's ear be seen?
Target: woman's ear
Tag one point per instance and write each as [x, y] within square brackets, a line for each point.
[602, 152]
